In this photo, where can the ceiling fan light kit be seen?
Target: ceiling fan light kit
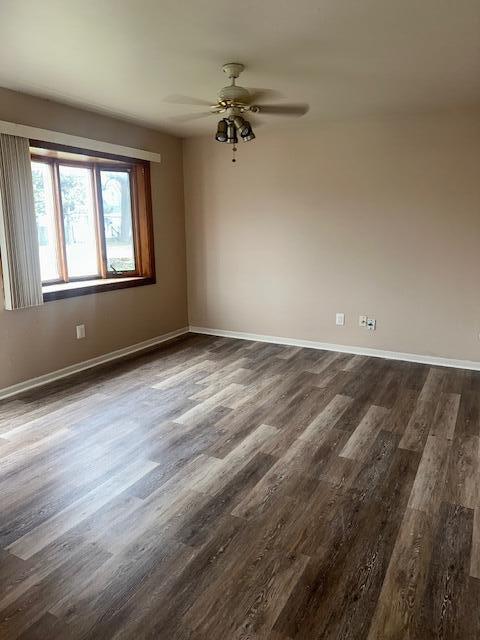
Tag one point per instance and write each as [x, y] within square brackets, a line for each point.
[233, 101]
[221, 134]
[231, 133]
[244, 128]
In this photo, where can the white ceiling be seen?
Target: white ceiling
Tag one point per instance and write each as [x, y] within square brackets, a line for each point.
[343, 57]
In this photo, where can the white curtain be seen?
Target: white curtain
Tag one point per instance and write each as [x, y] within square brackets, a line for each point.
[19, 251]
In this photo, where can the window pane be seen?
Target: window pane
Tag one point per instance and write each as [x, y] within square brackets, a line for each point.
[44, 213]
[79, 221]
[117, 215]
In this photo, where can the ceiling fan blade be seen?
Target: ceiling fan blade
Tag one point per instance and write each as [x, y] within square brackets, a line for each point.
[192, 116]
[178, 99]
[283, 109]
[258, 95]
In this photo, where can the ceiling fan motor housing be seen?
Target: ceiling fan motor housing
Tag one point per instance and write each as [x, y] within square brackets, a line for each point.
[233, 93]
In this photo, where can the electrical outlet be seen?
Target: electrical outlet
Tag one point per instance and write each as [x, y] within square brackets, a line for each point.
[340, 319]
[362, 321]
[371, 324]
[80, 331]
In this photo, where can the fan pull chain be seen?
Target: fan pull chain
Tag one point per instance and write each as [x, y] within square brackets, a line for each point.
[234, 148]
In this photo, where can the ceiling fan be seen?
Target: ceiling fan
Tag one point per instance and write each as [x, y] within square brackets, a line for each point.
[233, 102]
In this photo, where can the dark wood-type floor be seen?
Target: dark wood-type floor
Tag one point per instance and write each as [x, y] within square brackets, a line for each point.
[231, 490]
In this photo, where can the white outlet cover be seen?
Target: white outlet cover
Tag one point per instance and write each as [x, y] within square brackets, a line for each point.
[80, 331]
[340, 319]
[362, 321]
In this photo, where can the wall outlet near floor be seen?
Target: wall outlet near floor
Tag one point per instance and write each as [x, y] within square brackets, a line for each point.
[362, 321]
[340, 319]
[80, 331]
[371, 324]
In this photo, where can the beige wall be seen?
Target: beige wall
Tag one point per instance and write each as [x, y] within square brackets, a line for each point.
[374, 217]
[41, 340]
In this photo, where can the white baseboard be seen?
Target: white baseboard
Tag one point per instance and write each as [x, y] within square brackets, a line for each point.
[363, 351]
[15, 389]
[6, 392]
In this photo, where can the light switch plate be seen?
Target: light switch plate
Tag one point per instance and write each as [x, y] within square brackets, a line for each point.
[340, 319]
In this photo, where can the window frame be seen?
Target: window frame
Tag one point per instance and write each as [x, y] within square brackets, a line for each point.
[142, 224]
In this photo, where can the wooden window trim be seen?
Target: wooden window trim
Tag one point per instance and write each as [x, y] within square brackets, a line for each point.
[142, 222]
[63, 290]
[100, 155]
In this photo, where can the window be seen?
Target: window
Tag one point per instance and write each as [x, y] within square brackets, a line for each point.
[93, 219]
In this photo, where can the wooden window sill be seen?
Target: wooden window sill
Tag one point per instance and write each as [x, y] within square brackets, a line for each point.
[86, 287]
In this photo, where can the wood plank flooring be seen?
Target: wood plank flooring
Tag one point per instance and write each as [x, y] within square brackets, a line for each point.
[233, 490]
